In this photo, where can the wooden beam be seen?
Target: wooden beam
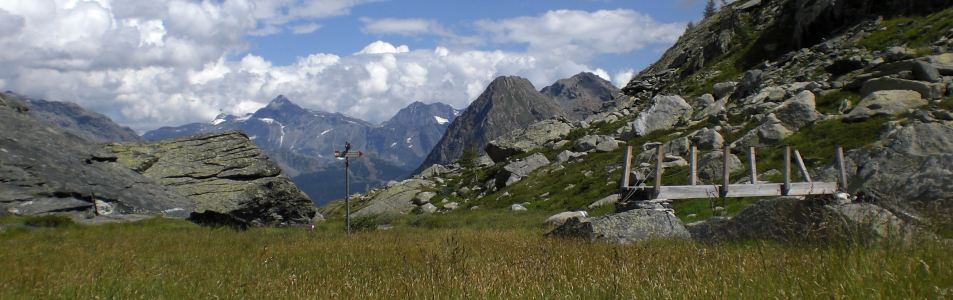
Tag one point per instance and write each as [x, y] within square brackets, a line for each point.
[659, 157]
[627, 167]
[802, 167]
[842, 168]
[677, 192]
[724, 171]
[752, 165]
[692, 166]
[787, 171]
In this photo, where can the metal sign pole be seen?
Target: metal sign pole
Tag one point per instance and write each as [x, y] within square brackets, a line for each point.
[346, 155]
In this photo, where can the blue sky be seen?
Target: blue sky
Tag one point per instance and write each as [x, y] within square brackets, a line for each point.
[157, 63]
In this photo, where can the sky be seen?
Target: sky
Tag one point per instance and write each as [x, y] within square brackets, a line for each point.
[153, 63]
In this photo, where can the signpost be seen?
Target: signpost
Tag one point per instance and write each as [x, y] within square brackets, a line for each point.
[346, 155]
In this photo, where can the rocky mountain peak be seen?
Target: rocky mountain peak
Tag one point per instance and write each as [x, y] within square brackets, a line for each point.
[582, 94]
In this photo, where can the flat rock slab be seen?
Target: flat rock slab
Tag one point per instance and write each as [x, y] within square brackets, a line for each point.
[626, 227]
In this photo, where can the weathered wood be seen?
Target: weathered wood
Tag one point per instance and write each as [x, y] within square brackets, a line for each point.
[752, 165]
[841, 168]
[692, 166]
[659, 158]
[787, 170]
[801, 167]
[627, 167]
[724, 172]
[744, 190]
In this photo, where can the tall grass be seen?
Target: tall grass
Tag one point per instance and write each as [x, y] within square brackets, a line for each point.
[174, 259]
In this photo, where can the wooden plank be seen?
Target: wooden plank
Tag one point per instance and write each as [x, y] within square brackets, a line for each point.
[752, 166]
[627, 167]
[842, 168]
[801, 166]
[693, 166]
[677, 192]
[787, 170]
[724, 172]
[659, 158]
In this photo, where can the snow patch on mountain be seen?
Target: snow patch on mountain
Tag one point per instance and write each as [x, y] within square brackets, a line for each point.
[440, 120]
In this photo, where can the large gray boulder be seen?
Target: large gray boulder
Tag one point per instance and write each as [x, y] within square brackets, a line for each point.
[910, 170]
[515, 171]
[225, 175]
[798, 112]
[926, 89]
[626, 227]
[44, 170]
[559, 219]
[750, 82]
[771, 131]
[525, 140]
[722, 89]
[707, 139]
[890, 102]
[664, 113]
[600, 143]
[395, 199]
[710, 166]
[795, 220]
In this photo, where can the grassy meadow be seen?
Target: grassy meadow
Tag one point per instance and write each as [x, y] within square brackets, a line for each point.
[175, 259]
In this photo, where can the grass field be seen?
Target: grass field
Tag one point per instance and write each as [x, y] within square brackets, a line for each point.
[179, 260]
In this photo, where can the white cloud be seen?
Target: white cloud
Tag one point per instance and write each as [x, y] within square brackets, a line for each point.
[406, 27]
[622, 77]
[167, 62]
[575, 33]
[305, 28]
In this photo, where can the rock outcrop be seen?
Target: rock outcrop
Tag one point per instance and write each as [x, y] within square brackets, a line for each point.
[663, 113]
[626, 227]
[524, 140]
[224, 175]
[43, 170]
[74, 119]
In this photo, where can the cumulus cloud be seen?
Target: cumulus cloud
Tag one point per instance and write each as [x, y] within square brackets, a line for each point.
[575, 33]
[167, 62]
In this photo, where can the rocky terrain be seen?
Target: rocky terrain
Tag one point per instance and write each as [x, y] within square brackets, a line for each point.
[215, 179]
[583, 95]
[874, 79]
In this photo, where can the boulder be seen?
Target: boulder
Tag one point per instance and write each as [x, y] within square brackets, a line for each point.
[770, 94]
[722, 89]
[428, 208]
[626, 227]
[770, 132]
[927, 90]
[750, 82]
[423, 197]
[396, 199]
[559, 219]
[943, 63]
[889, 102]
[705, 111]
[926, 72]
[514, 171]
[434, 170]
[607, 200]
[798, 111]
[664, 113]
[525, 140]
[707, 139]
[710, 166]
[484, 161]
[599, 143]
[517, 207]
[567, 155]
[451, 205]
[227, 177]
[795, 220]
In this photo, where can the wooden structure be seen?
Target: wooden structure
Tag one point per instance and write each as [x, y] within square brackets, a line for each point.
[727, 190]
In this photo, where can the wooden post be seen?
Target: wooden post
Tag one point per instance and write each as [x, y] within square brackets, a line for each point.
[692, 166]
[724, 171]
[787, 171]
[842, 168]
[801, 167]
[752, 165]
[627, 168]
[659, 157]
